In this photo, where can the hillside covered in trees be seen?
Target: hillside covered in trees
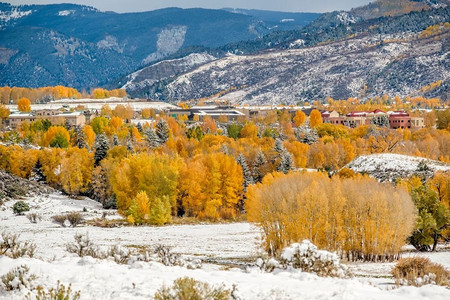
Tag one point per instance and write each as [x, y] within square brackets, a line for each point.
[329, 57]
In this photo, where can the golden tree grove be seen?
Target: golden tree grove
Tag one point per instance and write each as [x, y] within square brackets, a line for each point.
[358, 217]
[157, 175]
[76, 171]
[210, 187]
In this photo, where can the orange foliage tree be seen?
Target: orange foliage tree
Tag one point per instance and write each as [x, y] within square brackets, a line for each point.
[24, 104]
[217, 192]
[315, 118]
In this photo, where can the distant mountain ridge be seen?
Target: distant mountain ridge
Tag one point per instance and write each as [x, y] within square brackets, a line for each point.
[339, 56]
[383, 8]
[83, 47]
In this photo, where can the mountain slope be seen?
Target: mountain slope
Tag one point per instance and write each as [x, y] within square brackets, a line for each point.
[386, 56]
[383, 8]
[89, 40]
[278, 20]
[339, 70]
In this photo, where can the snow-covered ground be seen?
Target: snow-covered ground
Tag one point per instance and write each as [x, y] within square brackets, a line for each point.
[389, 166]
[390, 161]
[220, 246]
[96, 104]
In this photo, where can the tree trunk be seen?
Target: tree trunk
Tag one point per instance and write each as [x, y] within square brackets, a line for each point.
[435, 241]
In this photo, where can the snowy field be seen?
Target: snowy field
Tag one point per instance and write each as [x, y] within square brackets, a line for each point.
[224, 249]
[96, 104]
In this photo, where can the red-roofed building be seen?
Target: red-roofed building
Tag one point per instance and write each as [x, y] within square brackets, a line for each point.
[399, 119]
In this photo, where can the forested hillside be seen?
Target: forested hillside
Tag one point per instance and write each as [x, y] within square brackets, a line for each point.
[82, 47]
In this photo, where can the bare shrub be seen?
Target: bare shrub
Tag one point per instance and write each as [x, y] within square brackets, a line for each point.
[34, 217]
[58, 293]
[119, 254]
[83, 246]
[74, 218]
[18, 279]
[307, 257]
[419, 271]
[267, 264]
[60, 219]
[166, 256]
[12, 247]
[189, 288]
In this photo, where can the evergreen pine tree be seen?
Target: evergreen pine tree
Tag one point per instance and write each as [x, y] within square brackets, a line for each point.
[279, 146]
[37, 173]
[130, 147]
[79, 138]
[162, 131]
[115, 140]
[306, 135]
[247, 174]
[67, 124]
[139, 127]
[101, 146]
[151, 138]
[260, 161]
[286, 162]
[380, 121]
[224, 149]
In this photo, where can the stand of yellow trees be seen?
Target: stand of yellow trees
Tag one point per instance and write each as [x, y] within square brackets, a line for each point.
[359, 218]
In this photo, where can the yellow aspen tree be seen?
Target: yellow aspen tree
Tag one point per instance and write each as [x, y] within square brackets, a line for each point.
[249, 131]
[315, 118]
[90, 135]
[76, 170]
[24, 104]
[139, 211]
[299, 118]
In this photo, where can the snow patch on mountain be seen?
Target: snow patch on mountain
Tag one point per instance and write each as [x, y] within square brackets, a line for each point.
[169, 41]
[14, 14]
[346, 18]
[110, 42]
[297, 44]
[64, 13]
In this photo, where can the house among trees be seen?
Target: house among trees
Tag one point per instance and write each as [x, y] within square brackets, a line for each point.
[53, 115]
[391, 119]
[215, 112]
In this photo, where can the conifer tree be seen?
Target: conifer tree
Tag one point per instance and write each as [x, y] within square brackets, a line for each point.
[380, 121]
[67, 124]
[37, 173]
[224, 149]
[279, 146]
[151, 138]
[286, 163]
[306, 135]
[260, 161]
[247, 174]
[130, 147]
[162, 131]
[79, 138]
[101, 146]
[139, 127]
[115, 140]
